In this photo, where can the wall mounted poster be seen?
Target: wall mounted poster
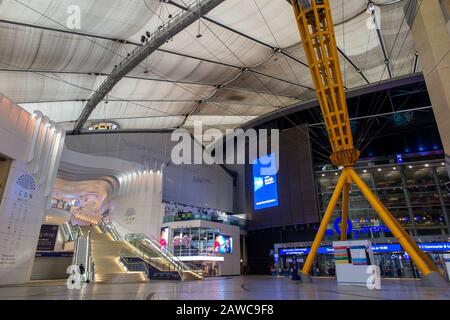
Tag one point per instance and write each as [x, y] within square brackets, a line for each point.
[223, 244]
[47, 237]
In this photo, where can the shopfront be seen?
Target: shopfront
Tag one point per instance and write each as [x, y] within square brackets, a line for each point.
[393, 261]
[197, 242]
[213, 247]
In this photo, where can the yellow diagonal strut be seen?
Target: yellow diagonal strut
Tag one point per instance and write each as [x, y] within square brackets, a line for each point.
[316, 29]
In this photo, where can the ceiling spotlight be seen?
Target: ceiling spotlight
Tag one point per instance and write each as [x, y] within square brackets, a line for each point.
[379, 169]
[365, 171]
[427, 165]
[443, 164]
[143, 38]
[148, 34]
[410, 167]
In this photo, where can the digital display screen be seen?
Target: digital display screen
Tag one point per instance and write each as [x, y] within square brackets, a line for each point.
[265, 184]
[223, 244]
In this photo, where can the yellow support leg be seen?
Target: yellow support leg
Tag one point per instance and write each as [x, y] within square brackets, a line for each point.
[424, 256]
[324, 224]
[425, 265]
[345, 202]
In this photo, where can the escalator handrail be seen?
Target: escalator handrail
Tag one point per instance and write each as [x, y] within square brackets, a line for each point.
[108, 227]
[137, 241]
[156, 245]
[174, 259]
[142, 246]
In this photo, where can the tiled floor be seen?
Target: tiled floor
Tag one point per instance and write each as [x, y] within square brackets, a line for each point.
[236, 288]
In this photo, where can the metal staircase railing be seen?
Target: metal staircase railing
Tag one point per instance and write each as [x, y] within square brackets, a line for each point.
[108, 227]
[149, 250]
[165, 260]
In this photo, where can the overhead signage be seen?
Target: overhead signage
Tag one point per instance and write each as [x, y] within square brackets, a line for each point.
[377, 248]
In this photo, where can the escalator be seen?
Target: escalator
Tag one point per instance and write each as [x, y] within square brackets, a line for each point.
[156, 260]
[162, 259]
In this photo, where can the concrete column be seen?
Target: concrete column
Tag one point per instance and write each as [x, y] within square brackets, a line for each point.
[244, 250]
[432, 42]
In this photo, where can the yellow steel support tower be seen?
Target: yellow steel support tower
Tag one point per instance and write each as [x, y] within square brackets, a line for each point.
[316, 28]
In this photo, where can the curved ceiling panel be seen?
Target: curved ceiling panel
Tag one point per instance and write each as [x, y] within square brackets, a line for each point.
[233, 70]
[151, 123]
[114, 110]
[228, 95]
[37, 49]
[266, 20]
[110, 18]
[57, 111]
[30, 87]
[143, 90]
[218, 44]
[218, 121]
[267, 85]
[162, 65]
[208, 109]
[69, 111]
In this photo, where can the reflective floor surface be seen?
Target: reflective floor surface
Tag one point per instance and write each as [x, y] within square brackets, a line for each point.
[226, 288]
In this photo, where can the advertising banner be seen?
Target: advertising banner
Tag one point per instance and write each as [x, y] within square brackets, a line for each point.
[164, 238]
[223, 244]
[265, 187]
[47, 237]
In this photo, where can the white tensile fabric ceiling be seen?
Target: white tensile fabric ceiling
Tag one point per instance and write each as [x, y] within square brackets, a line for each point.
[45, 66]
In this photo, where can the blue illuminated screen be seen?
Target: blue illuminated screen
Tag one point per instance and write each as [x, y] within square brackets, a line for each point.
[265, 187]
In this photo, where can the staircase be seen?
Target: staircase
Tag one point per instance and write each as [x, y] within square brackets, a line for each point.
[106, 254]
